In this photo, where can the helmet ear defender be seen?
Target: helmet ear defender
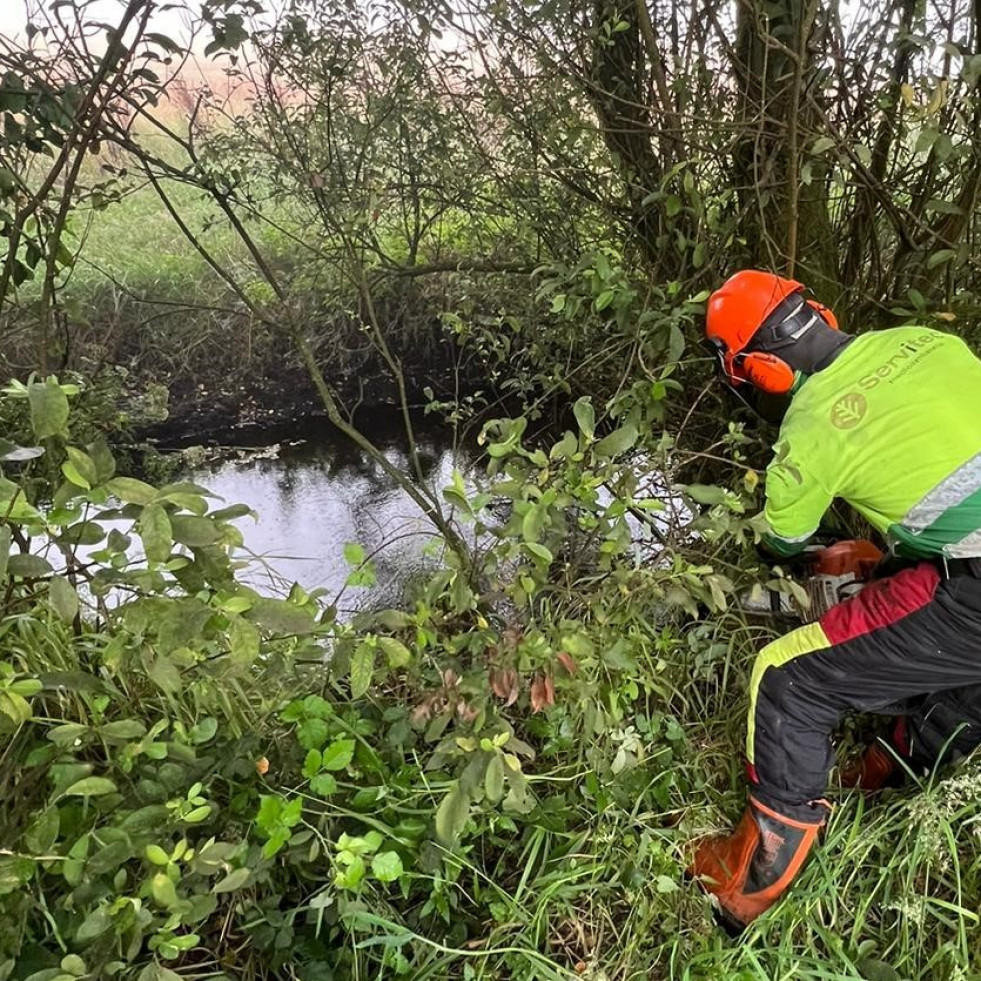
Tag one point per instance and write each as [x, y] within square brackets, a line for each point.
[766, 372]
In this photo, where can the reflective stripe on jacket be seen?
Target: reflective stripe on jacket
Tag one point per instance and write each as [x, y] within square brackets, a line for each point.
[893, 427]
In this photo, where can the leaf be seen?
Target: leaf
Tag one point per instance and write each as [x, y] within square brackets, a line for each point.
[131, 491]
[585, 416]
[243, 641]
[494, 779]
[672, 205]
[354, 553]
[28, 566]
[619, 441]
[5, 540]
[49, 408]
[234, 880]
[539, 551]
[940, 257]
[157, 855]
[84, 465]
[94, 925]
[504, 684]
[386, 866]
[399, 656]
[362, 669]
[542, 692]
[91, 787]
[63, 598]
[281, 618]
[338, 755]
[123, 730]
[155, 531]
[323, 784]
[193, 531]
[708, 494]
[452, 815]
[567, 661]
[164, 891]
[12, 453]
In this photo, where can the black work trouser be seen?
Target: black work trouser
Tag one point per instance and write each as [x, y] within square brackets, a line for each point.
[908, 643]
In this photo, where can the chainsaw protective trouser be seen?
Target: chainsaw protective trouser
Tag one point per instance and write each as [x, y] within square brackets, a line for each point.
[908, 644]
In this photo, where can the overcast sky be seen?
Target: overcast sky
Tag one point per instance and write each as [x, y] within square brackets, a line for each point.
[13, 15]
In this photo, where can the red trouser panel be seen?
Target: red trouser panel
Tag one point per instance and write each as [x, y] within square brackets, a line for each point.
[909, 637]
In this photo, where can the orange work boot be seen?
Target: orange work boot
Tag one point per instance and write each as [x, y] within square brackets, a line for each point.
[873, 770]
[749, 870]
[878, 767]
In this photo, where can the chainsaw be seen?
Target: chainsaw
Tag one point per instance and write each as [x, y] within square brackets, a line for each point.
[830, 575]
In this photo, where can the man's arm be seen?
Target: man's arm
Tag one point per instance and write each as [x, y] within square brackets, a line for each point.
[795, 503]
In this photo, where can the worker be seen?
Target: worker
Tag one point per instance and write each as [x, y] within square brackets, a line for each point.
[890, 422]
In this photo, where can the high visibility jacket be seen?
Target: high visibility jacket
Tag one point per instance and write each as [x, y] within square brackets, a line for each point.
[893, 427]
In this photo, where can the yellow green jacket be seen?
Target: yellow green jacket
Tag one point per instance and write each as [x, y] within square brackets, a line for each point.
[893, 427]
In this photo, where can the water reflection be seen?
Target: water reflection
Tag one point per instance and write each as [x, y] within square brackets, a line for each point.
[315, 495]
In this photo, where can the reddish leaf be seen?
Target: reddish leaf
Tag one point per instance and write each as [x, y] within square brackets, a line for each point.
[262, 766]
[504, 684]
[466, 711]
[542, 692]
[568, 662]
[450, 678]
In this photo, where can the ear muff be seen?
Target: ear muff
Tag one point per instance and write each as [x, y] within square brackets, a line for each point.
[825, 313]
[766, 372]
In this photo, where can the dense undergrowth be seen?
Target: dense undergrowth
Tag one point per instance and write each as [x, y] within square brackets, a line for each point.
[496, 780]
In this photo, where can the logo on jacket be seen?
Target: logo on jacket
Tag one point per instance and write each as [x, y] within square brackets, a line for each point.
[849, 410]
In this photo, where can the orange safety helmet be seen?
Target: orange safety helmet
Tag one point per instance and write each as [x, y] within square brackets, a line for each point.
[740, 308]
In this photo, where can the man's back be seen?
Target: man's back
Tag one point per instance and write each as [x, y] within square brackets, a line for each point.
[893, 426]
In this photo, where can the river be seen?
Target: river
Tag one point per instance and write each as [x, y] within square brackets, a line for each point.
[314, 491]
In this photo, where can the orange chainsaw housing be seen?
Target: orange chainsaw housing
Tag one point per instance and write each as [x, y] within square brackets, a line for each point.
[856, 557]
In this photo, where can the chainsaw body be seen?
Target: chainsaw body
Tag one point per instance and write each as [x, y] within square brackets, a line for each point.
[831, 575]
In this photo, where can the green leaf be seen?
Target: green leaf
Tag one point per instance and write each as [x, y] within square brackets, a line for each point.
[124, 729]
[84, 465]
[338, 755]
[494, 779]
[354, 553]
[585, 416]
[386, 866]
[28, 566]
[157, 855]
[708, 494]
[74, 965]
[243, 641]
[15, 707]
[619, 441]
[539, 551]
[323, 784]
[362, 669]
[821, 144]
[941, 256]
[63, 598]
[49, 408]
[91, 787]
[280, 617]
[164, 891]
[194, 531]
[452, 815]
[311, 764]
[131, 491]
[94, 925]
[397, 653]
[234, 880]
[5, 540]
[155, 531]
[604, 300]
[672, 205]
[43, 833]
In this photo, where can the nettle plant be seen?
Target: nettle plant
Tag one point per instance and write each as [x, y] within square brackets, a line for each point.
[135, 675]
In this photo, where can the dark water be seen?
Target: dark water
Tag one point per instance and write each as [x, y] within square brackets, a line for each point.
[314, 492]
